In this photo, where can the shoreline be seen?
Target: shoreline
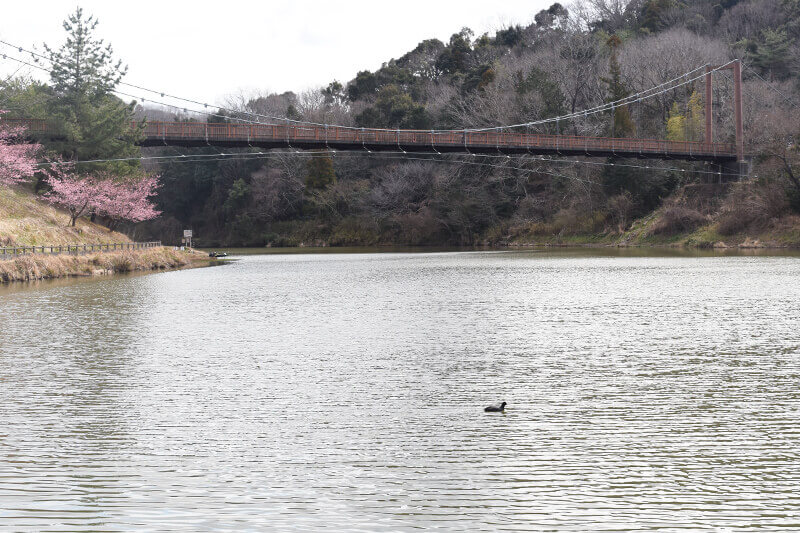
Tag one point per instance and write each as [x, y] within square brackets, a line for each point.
[36, 267]
[721, 246]
[388, 248]
[746, 243]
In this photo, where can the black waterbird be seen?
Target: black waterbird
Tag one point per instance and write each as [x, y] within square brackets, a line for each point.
[496, 408]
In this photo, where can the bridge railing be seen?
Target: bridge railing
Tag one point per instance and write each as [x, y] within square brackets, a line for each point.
[11, 252]
[32, 125]
[322, 136]
[253, 133]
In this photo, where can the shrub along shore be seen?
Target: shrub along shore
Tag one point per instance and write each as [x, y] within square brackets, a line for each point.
[747, 214]
[37, 266]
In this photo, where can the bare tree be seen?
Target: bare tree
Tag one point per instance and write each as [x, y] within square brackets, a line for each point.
[652, 61]
[275, 194]
[610, 15]
[402, 187]
[747, 20]
[575, 63]
[774, 131]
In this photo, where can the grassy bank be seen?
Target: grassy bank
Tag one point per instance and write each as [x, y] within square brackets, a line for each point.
[782, 232]
[36, 267]
[666, 226]
[28, 221]
[748, 214]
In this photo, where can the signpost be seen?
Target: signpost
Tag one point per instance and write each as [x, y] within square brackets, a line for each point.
[187, 237]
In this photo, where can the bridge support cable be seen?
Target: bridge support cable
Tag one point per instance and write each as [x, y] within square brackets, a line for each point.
[686, 114]
[686, 101]
[558, 134]
[527, 142]
[364, 140]
[709, 107]
[586, 138]
[433, 145]
[266, 155]
[613, 130]
[737, 102]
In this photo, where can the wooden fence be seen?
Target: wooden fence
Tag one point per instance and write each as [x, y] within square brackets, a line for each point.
[10, 252]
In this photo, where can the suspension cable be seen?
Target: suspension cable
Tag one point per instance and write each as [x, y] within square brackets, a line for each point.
[598, 109]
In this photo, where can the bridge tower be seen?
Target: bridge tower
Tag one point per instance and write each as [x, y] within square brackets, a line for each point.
[742, 164]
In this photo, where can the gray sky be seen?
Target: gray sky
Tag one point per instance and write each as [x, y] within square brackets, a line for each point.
[205, 50]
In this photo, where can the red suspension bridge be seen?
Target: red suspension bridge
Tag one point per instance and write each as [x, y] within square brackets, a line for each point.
[489, 141]
[193, 134]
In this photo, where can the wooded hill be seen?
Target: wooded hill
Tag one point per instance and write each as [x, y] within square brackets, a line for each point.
[572, 57]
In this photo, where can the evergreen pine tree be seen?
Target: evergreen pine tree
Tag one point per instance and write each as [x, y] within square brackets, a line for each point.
[96, 124]
[622, 124]
[773, 54]
[320, 172]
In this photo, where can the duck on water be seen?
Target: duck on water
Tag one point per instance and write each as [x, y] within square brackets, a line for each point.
[496, 408]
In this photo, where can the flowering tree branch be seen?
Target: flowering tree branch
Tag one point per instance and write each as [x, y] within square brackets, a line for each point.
[17, 158]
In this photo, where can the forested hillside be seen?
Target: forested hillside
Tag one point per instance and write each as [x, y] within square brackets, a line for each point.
[571, 58]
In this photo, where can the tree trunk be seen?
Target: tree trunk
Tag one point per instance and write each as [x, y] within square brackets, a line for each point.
[789, 173]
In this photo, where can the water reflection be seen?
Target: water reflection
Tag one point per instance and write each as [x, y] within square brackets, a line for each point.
[342, 391]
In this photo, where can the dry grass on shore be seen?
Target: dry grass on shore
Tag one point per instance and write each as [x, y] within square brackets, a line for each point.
[27, 221]
[36, 267]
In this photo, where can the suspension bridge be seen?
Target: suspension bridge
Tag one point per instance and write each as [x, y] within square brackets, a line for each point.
[195, 134]
[488, 141]
[238, 132]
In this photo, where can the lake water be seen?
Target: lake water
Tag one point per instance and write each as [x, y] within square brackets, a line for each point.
[346, 392]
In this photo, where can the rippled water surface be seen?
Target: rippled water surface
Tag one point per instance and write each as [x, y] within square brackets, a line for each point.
[302, 392]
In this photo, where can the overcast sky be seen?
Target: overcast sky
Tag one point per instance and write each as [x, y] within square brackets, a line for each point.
[206, 50]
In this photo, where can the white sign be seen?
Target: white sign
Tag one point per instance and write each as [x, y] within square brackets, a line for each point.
[187, 233]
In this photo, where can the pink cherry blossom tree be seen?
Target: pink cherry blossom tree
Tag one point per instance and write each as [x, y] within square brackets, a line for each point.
[116, 200]
[76, 194]
[17, 158]
[127, 200]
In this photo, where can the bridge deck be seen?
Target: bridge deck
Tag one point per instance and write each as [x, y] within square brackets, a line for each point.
[319, 137]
